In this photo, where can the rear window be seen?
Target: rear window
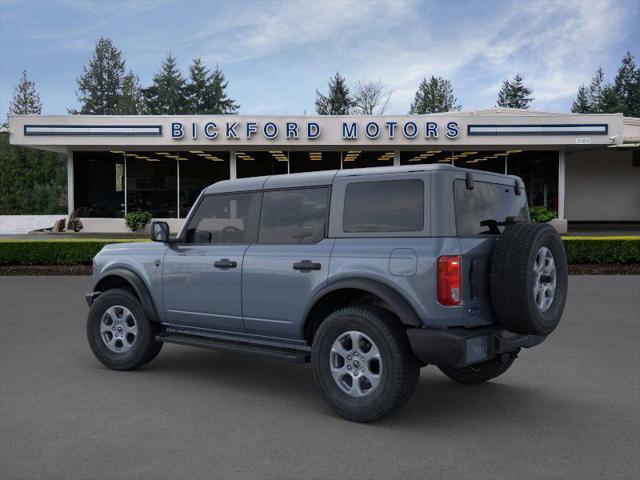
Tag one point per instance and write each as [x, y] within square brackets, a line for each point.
[487, 201]
[387, 206]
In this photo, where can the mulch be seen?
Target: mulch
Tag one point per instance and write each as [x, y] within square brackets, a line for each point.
[47, 270]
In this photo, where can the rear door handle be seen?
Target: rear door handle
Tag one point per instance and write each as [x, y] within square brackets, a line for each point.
[306, 265]
[225, 263]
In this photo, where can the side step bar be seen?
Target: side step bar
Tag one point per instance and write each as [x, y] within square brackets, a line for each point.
[287, 354]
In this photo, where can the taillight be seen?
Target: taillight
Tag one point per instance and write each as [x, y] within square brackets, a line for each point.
[449, 280]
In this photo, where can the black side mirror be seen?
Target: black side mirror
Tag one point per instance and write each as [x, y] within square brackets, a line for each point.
[160, 232]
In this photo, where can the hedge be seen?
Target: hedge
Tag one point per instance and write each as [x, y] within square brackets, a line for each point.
[79, 251]
[72, 251]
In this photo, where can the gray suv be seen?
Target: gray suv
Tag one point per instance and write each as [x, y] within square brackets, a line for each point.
[369, 274]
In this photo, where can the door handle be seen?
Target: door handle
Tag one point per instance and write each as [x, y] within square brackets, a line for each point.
[306, 265]
[225, 263]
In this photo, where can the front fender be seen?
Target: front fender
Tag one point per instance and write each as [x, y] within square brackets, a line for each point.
[136, 282]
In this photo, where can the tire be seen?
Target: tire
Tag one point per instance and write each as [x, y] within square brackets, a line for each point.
[390, 357]
[481, 372]
[529, 278]
[130, 347]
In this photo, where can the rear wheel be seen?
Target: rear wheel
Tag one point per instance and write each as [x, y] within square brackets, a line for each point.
[481, 372]
[363, 364]
[119, 333]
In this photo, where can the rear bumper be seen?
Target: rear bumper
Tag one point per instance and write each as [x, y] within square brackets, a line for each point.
[461, 347]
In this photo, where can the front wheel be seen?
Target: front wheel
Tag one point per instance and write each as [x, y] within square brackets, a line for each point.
[119, 333]
[363, 364]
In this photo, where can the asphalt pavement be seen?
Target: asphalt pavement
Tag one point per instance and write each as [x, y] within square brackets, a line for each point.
[569, 408]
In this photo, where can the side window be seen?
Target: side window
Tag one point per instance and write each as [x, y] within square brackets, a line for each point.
[486, 202]
[227, 218]
[294, 216]
[384, 206]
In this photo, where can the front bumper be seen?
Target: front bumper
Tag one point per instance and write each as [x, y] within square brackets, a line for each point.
[90, 297]
[461, 347]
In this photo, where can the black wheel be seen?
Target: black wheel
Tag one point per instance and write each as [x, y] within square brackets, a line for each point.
[363, 364]
[119, 333]
[480, 372]
[529, 278]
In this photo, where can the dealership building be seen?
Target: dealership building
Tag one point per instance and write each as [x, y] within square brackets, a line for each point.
[584, 167]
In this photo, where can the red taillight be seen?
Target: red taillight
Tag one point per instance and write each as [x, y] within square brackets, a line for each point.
[449, 280]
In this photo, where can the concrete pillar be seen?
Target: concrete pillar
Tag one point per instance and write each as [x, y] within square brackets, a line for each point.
[70, 183]
[561, 183]
[396, 158]
[233, 173]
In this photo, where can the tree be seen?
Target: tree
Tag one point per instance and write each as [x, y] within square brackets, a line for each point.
[206, 92]
[25, 99]
[581, 104]
[130, 101]
[433, 96]
[100, 85]
[514, 94]
[337, 101]
[370, 98]
[167, 95]
[627, 86]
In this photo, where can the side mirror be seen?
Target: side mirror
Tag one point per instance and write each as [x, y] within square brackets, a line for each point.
[160, 232]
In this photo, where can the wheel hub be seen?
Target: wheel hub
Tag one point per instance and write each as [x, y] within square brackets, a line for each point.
[544, 280]
[356, 364]
[118, 329]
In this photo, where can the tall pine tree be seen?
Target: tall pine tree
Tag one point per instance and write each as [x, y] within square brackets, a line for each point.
[25, 99]
[167, 94]
[338, 100]
[219, 102]
[130, 101]
[582, 103]
[100, 85]
[514, 94]
[433, 96]
[206, 92]
[627, 86]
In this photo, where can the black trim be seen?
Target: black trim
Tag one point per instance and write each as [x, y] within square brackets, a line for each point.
[138, 285]
[567, 132]
[95, 134]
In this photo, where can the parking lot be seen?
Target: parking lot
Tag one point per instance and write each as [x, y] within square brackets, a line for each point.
[567, 409]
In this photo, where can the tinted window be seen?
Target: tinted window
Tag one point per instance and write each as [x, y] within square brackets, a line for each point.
[294, 216]
[391, 206]
[487, 201]
[224, 219]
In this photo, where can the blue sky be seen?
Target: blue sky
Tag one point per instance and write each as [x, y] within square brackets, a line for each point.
[276, 53]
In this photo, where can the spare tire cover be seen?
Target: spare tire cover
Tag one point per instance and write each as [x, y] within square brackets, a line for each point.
[529, 278]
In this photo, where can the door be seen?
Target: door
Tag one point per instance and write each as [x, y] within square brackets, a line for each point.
[202, 274]
[289, 263]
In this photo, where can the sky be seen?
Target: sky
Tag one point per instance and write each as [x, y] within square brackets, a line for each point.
[275, 54]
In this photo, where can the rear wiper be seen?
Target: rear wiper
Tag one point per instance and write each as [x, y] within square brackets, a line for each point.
[494, 224]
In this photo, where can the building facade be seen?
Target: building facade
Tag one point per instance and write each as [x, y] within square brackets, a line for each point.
[584, 167]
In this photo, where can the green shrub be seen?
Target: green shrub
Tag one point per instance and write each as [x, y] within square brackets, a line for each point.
[541, 214]
[137, 220]
[52, 252]
[602, 249]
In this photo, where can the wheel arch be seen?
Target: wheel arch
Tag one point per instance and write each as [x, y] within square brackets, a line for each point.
[339, 293]
[124, 278]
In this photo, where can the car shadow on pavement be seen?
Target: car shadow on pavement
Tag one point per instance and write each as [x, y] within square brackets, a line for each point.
[438, 401]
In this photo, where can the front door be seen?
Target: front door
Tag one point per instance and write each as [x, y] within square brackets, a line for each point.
[202, 274]
[289, 263]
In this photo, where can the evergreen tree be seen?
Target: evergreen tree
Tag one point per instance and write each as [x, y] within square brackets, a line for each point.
[338, 101]
[206, 92]
[100, 85]
[627, 86]
[433, 96]
[167, 95]
[25, 99]
[596, 91]
[130, 101]
[581, 104]
[514, 94]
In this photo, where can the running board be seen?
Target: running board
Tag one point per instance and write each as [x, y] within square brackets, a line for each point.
[287, 354]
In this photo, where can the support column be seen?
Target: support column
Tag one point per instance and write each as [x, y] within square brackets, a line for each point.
[396, 158]
[70, 183]
[233, 173]
[561, 183]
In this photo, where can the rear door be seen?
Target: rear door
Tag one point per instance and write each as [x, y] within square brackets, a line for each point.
[289, 262]
[202, 276]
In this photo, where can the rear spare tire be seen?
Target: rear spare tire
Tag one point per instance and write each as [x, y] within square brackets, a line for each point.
[529, 278]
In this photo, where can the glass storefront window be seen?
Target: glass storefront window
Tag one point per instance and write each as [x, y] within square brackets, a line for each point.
[99, 184]
[152, 184]
[258, 163]
[364, 158]
[313, 161]
[539, 171]
[197, 170]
